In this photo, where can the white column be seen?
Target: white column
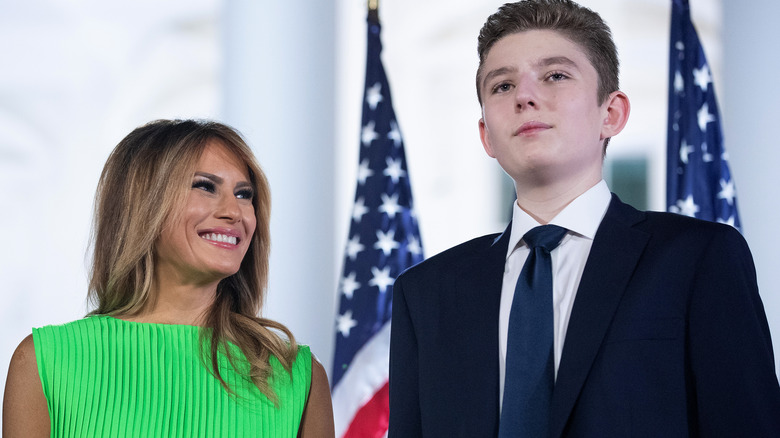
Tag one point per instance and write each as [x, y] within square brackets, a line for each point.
[279, 92]
[751, 137]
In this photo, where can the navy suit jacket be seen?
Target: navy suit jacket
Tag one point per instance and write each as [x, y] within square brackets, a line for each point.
[667, 338]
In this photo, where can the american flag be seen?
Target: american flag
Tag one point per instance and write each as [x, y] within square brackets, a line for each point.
[698, 180]
[383, 241]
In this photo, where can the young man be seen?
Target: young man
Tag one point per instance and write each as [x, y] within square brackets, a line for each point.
[653, 325]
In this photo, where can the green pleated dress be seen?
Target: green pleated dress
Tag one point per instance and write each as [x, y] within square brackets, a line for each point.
[105, 377]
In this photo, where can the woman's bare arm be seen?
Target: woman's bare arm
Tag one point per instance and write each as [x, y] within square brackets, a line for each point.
[25, 413]
[317, 421]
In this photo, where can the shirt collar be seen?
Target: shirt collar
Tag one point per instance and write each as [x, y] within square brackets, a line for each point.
[582, 216]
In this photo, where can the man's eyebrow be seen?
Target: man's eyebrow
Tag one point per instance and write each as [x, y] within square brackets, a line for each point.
[557, 60]
[497, 72]
[544, 62]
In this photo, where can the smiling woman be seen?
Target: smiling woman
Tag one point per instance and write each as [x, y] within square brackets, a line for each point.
[174, 346]
[210, 235]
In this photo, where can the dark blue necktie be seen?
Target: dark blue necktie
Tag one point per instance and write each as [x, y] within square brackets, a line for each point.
[530, 368]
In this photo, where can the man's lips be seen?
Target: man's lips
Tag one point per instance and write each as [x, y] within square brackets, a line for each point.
[532, 128]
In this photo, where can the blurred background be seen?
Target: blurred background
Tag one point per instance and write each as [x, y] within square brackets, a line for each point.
[78, 76]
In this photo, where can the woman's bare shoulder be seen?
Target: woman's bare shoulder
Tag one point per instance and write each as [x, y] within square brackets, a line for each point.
[25, 352]
[25, 412]
[23, 364]
[317, 418]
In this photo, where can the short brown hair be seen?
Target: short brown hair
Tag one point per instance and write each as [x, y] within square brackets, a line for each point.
[577, 23]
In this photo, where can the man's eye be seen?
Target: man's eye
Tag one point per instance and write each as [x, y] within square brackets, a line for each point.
[502, 88]
[204, 185]
[557, 77]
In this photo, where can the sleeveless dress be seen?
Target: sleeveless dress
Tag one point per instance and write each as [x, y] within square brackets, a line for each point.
[105, 377]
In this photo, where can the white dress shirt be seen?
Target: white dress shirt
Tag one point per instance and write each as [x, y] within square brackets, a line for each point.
[581, 218]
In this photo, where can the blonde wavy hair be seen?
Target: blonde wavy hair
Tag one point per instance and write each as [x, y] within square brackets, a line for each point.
[144, 184]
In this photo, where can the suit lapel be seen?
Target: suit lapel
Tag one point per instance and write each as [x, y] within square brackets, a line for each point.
[616, 250]
[481, 286]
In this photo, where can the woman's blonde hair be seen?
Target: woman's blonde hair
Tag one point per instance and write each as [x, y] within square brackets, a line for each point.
[143, 186]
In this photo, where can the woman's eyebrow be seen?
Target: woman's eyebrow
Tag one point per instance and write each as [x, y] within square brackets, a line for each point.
[210, 176]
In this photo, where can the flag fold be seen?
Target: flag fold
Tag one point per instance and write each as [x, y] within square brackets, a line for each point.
[698, 179]
[383, 241]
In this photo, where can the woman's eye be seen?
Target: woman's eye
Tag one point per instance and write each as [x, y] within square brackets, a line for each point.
[204, 185]
[245, 194]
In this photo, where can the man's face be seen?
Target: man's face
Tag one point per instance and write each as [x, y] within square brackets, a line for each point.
[540, 115]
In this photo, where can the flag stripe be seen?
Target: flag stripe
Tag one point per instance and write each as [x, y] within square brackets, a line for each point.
[367, 375]
[373, 418]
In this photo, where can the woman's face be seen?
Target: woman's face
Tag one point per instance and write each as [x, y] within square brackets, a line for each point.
[217, 223]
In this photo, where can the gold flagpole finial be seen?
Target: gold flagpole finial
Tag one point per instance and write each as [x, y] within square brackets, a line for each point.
[373, 11]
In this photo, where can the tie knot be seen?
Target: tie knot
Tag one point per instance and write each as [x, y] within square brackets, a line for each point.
[545, 236]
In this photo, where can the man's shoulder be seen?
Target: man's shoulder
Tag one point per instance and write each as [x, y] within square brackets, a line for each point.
[670, 225]
[677, 224]
[455, 258]
[683, 235]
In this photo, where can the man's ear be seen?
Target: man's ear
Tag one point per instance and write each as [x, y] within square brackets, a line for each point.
[483, 135]
[616, 109]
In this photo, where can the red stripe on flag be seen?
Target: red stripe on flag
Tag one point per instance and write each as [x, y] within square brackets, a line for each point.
[372, 419]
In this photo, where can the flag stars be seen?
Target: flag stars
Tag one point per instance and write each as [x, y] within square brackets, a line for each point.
[680, 50]
[374, 95]
[702, 77]
[364, 172]
[354, 247]
[679, 83]
[685, 150]
[704, 116]
[379, 232]
[381, 279]
[705, 155]
[413, 246]
[394, 170]
[359, 209]
[368, 133]
[687, 206]
[390, 205]
[349, 285]
[699, 183]
[386, 242]
[345, 323]
[394, 134]
[727, 191]
[730, 221]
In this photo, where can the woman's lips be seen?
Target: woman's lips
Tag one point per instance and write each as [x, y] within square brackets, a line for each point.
[221, 236]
